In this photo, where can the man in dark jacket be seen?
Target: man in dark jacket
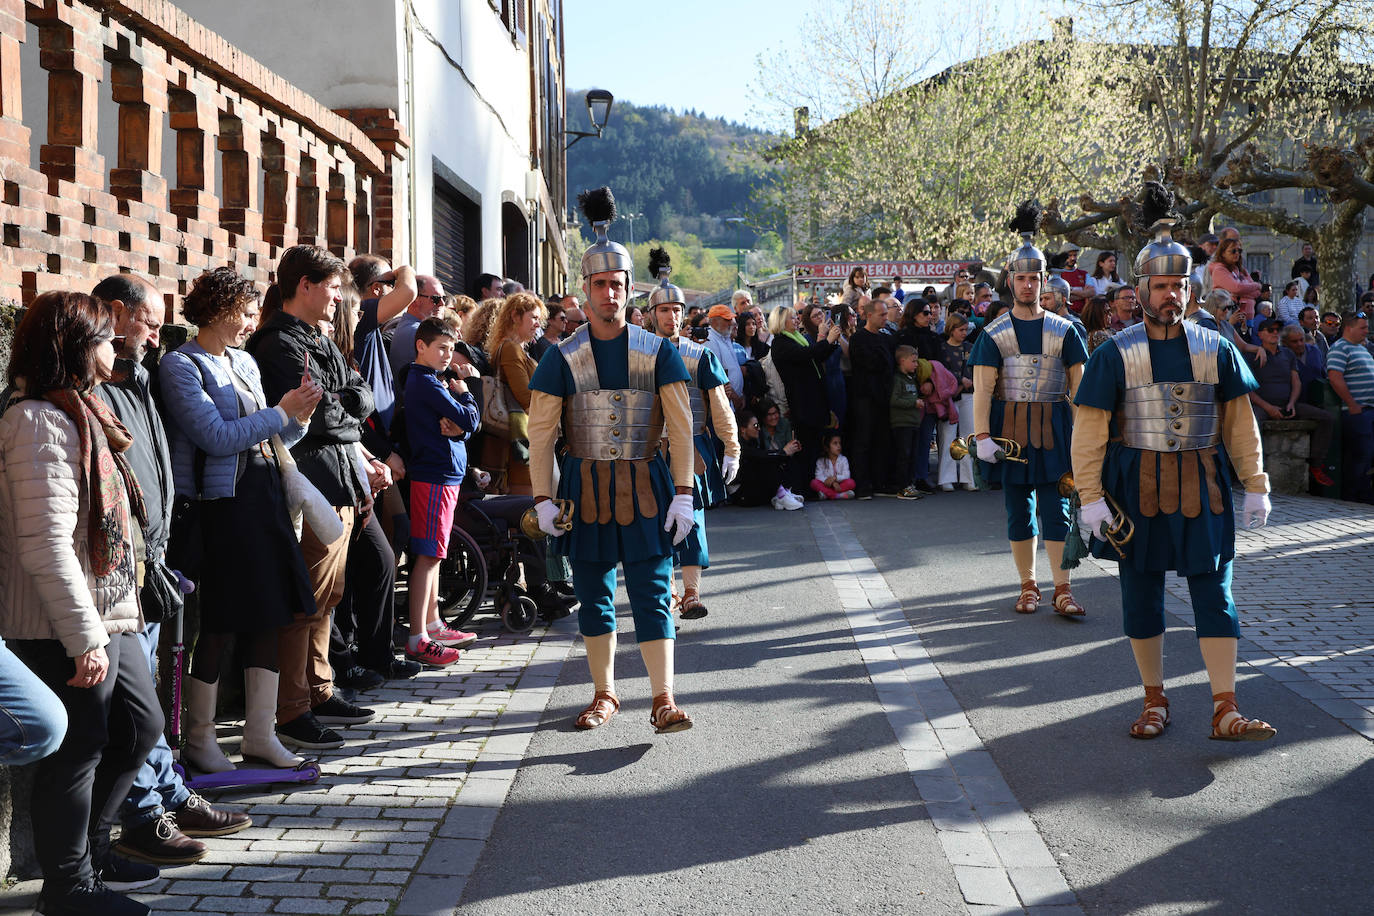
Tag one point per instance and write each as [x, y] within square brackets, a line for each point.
[801, 366]
[870, 389]
[160, 815]
[310, 279]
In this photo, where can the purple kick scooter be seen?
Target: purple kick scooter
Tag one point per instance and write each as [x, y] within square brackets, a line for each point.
[306, 772]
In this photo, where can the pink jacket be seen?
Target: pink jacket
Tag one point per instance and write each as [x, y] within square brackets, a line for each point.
[1241, 287]
[946, 392]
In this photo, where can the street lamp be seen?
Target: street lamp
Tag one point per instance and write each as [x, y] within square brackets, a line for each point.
[598, 113]
[739, 251]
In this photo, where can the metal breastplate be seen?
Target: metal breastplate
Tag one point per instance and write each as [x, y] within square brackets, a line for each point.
[609, 424]
[692, 353]
[1036, 377]
[1169, 416]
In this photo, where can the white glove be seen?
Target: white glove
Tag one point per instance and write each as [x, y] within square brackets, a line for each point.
[988, 450]
[680, 520]
[547, 512]
[729, 467]
[1255, 510]
[1092, 518]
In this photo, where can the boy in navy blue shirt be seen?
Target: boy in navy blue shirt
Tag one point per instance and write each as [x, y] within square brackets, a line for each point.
[436, 468]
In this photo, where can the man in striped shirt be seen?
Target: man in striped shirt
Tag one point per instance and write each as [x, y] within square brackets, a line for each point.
[1350, 370]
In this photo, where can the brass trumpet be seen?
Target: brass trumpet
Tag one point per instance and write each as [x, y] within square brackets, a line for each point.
[529, 522]
[1121, 529]
[962, 448]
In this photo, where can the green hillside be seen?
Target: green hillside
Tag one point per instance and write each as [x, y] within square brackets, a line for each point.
[685, 173]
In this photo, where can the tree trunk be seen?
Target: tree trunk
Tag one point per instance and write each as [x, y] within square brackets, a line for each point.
[1335, 243]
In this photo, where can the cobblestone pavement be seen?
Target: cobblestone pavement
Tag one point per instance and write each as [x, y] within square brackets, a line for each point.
[1302, 584]
[407, 804]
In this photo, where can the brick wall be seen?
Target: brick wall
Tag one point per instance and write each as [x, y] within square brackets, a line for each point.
[289, 170]
[191, 109]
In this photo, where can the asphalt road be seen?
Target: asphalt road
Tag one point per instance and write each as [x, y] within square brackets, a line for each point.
[791, 794]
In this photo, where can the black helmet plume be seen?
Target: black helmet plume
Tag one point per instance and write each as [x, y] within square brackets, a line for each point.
[1028, 217]
[659, 261]
[597, 205]
[1157, 205]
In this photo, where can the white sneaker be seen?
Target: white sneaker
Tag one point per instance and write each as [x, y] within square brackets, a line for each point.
[793, 501]
[779, 504]
[947, 487]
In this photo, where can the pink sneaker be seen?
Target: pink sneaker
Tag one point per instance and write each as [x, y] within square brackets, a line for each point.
[433, 655]
[455, 639]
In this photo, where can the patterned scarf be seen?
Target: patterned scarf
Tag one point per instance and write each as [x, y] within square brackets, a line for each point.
[103, 440]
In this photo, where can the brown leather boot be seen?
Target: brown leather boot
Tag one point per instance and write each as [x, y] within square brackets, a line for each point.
[160, 841]
[197, 817]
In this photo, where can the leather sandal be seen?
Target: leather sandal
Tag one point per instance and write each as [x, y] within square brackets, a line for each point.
[599, 711]
[690, 605]
[1238, 728]
[1064, 602]
[666, 717]
[1029, 601]
[1154, 716]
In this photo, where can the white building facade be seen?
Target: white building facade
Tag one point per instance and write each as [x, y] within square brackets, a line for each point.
[473, 88]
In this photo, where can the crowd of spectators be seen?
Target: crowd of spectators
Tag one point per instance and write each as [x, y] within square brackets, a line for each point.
[319, 433]
[276, 466]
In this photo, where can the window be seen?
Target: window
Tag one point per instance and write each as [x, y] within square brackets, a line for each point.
[1258, 263]
[514, 15]
[457, 238]
[1314, 196]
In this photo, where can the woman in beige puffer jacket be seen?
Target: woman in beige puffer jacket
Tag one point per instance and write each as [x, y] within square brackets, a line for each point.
[68, 595]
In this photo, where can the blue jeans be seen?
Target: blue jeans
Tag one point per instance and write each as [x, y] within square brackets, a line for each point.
[1357, 442]
[157, 788]
[33, 721]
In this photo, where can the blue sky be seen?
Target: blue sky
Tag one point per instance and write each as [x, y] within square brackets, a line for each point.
[701, 54]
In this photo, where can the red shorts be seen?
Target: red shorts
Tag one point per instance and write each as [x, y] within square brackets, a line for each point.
[431, 518]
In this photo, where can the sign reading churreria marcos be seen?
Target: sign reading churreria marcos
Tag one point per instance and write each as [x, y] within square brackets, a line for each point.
[918, 271]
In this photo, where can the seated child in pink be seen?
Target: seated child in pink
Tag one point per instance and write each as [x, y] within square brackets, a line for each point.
[832, 479]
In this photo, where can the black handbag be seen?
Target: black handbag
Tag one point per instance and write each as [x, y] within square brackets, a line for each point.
[186, 541]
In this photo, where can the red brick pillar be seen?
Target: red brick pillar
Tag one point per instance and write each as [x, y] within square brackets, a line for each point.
[195, 120]
[281, 161]
[339, 208]
[382, 127]
[362, 215]
[14, 136]
[69, 38]
[310, 201]
[141, 93]
[240, 142]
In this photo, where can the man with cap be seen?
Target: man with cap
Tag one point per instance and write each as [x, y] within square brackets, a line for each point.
[710, 411]
[1208, 243]
[1026, 367]
[1163, 416]
[721, 318]
[609, 383]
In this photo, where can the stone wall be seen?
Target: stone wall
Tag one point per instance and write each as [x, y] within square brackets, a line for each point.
[1287, 445]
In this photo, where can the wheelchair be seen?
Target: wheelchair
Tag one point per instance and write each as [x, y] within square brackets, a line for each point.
[482, 569]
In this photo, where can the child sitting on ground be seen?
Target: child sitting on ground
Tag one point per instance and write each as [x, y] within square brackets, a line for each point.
[436, 469]
[832, 470]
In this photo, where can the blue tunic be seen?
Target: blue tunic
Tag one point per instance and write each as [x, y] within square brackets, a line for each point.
[644, 537]
[1166, 541]
[1042, 465]
[709, 485]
